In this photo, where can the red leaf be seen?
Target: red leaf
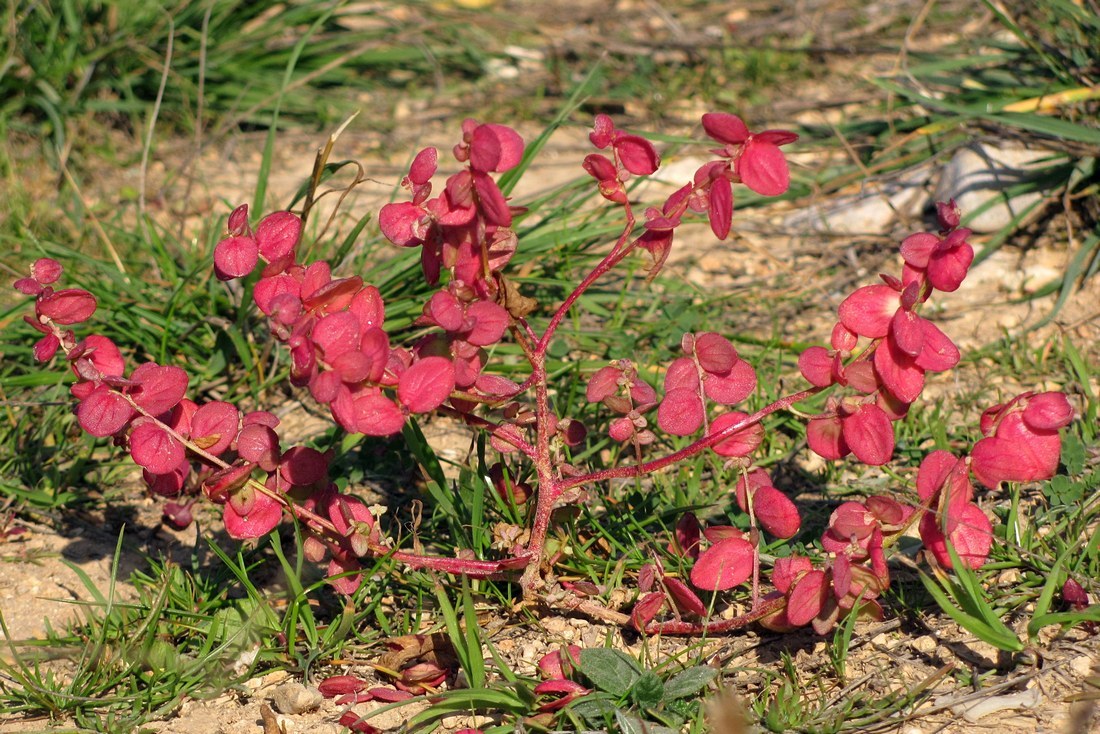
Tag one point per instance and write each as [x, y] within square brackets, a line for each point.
[46, 270]
[816, 365]
[720, 210]
[725, 128]
[69, 306]
[262, 517]
[277, 235]
[154, 449]
[303, 466]
[807, 597]
[214, 426]
[268, 289]
[160, 387]
[603, 383]
[684, 598]
[938, 352]
[103, 354]
[869, 309]
[339, 685]
[739, 443]
[259, 444]
[681, 412]
[646, 610]
[235, 257]
[376, 415]
[445, 311]
[402, 224]
[426, 384]
[733, 387]
[1048, 411]
[899, 372]
[776, 512]
[825, 437]
[724, 565]
[763, 168]
[870, 435]
[493, 204]
[787, 570]
[972, 536]
[490, 323]
[104, 412]
[715, 353]
[495, 148]
[637, 154]
[335, 334]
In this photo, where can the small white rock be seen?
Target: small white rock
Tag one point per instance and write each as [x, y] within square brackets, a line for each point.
[980, 173]
[925, 644]
[294, 698]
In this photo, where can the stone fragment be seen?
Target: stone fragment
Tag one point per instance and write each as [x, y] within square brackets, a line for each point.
[294, 698]
[981, 173]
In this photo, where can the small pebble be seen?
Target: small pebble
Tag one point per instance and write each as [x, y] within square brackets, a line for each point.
[925, 644]
[294, 698]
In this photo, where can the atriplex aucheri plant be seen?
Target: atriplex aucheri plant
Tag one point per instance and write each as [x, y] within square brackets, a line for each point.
[333, 326]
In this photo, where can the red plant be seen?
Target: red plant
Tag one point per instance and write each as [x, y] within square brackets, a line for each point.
[334, 331]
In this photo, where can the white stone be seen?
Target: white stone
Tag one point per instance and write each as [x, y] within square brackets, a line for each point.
[981, 172]
[874, 210]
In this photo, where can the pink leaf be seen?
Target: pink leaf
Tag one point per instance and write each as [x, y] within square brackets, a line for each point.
[603, 383]
[938, 352]
[335, 334]
[724, 565]
[376, 415]
[787, 570]
[235, 257]
[776, 513]
[715, 353]
[646, 610]
[69, 306]
[493, 204]
[426, 384]
[972, 537]
[825, 437]
[401, 223]
[686, 600]
[682, 374]
[899, 372]
[261, 519]
[869, 309]
[637, 154]
[303, 466]
[739, 443]
[807, 597]
[763, 168]
[1048, 411]
[423, 166]
[816, 365]
[495, 148]
[916, 249]
[160, 387]
[720, 210]
[681, 412]
[490, 323]
[733, 387]
[259, 445]
[870, 435]
[725, 128]
[154, 449]
[277, 235]
[214, 426]
[104, 412]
